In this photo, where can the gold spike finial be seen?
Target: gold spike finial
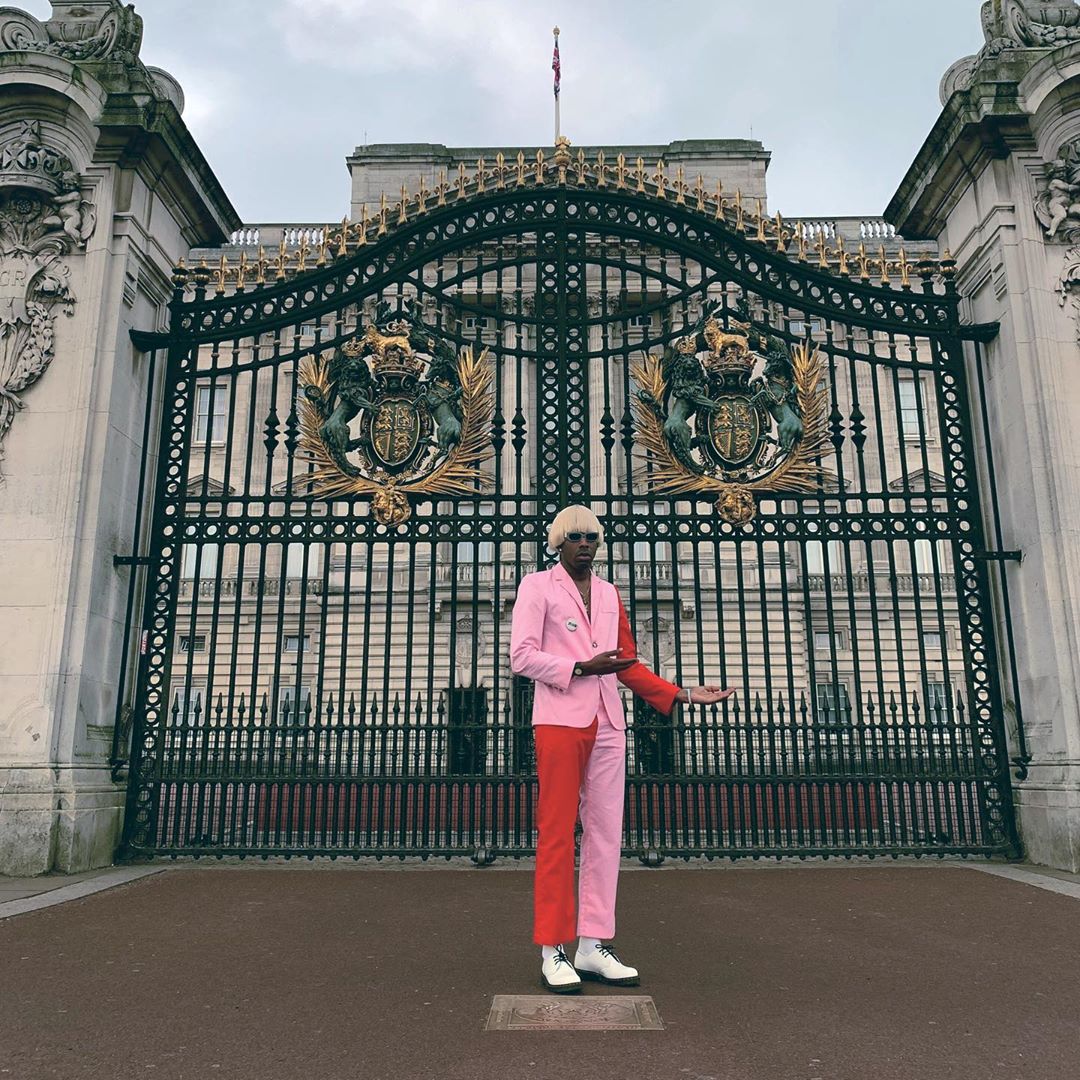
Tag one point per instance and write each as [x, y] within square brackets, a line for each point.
[800, 241]
[863, 262]
[220, 274]
[600, 170]
[841, 255]
[905, 269]
[620, 171]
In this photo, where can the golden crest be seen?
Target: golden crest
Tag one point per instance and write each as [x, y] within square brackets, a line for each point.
[395, 430]
[734, 433]
[735, 430]
[394, 426]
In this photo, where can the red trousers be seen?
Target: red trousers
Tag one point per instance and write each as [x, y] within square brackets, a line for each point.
[578, 769]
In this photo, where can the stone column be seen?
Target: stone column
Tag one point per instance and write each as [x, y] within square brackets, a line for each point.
[998, 184]
[102, 190]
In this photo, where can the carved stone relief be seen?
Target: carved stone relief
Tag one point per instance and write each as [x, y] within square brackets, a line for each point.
[1068, 285]
[85, 31]
[469, 651]
[1057, 204]
[43, 217]
[1015, 24]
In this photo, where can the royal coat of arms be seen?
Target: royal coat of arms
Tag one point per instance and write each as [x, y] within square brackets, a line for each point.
[730, 412]
[394, 412]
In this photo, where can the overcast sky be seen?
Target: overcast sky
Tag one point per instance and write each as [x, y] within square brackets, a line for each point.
[842, 92]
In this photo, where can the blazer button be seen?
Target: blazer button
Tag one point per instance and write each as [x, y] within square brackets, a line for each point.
[595, 646]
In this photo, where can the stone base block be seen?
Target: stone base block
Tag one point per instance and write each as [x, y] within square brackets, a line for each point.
[64, 820]
[1048, 814]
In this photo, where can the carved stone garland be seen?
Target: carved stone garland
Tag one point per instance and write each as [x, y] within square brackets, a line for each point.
[43, 217]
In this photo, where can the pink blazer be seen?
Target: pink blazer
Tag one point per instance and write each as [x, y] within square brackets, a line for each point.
[550, 633]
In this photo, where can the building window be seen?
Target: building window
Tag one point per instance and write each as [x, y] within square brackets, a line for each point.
[294, 702]
[476, 322]
[910, 411]
[825, 642]
[307, 329]
[188, 703]
[815, 556]
[800, 327]
[932, 640]
[641, 320]
[924, 557]
[210, 413]
[468, 732]
[468, 551]
[192, 643]
[302, 560]
[293, 642]
[833, 704]
[937, 701]
[206, 563]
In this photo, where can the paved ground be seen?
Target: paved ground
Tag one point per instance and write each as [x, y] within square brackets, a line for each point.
[791, 973]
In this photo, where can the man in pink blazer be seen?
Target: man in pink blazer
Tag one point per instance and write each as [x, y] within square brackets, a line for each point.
[571, 636]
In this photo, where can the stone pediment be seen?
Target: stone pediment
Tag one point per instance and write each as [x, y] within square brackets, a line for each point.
[208, 485]
[919, 480]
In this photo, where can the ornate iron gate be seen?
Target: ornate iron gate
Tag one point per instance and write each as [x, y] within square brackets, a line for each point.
[326, 629]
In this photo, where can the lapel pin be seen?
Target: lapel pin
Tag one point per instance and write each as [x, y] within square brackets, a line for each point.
[571, 624]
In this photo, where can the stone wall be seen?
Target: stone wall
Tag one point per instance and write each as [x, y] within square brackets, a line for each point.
[102, 189]
[996, 183]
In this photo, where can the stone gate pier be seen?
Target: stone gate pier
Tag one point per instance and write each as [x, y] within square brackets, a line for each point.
[102, 190]
[997, 183]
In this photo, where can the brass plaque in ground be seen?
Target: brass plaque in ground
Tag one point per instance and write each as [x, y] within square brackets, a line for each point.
[543, 1012]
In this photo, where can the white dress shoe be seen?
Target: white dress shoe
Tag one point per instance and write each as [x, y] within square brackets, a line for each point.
[604, 966]
[558, 974]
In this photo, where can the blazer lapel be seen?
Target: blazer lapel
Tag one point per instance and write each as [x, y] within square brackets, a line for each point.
[563, 578]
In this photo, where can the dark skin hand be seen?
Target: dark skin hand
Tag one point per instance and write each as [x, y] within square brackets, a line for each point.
[577, 559]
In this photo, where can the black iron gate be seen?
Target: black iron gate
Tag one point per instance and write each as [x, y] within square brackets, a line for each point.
[318, 678]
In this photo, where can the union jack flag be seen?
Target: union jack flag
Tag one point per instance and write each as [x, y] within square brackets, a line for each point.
[555, 66]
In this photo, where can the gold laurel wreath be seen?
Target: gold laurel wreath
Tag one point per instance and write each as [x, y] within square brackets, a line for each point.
[457, 474]
[799, 471]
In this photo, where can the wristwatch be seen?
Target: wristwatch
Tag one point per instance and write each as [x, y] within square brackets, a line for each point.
[578, 670]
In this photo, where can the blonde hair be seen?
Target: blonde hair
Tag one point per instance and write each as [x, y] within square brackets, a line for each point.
[573, 519]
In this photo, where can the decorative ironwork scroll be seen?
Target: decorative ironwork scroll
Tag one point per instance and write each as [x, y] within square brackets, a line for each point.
[395, 412]
[751, 431]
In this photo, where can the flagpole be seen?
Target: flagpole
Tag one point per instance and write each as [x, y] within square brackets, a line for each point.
[556, 66]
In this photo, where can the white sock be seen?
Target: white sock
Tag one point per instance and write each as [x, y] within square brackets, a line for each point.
[587, 945]
[548, 951]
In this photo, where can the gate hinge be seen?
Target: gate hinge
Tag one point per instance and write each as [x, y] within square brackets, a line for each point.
[148, 340]
[999, 556]
[131, 560]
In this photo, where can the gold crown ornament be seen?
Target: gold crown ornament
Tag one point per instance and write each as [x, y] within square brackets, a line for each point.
[391, 354]
[728, 353]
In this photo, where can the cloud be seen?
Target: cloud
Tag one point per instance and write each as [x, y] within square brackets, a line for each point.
[500, 51]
